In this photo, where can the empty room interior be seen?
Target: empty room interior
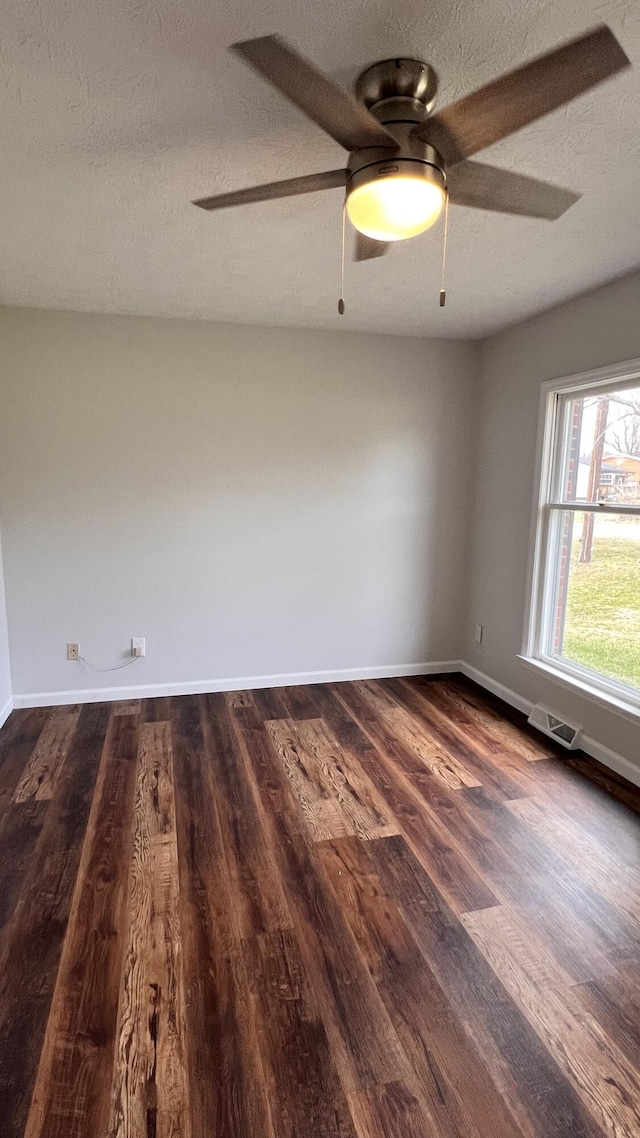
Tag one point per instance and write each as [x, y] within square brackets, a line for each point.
[320, 569]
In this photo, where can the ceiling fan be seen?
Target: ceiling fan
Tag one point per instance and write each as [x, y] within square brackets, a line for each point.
[404, 161]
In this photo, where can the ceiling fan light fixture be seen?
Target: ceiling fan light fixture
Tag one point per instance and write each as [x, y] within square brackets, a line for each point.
[392, 201]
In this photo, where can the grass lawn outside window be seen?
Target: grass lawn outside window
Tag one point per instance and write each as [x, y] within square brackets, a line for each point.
[602, 615]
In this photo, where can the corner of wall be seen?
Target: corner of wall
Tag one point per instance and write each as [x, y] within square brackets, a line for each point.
[465, 647]
[6, 697]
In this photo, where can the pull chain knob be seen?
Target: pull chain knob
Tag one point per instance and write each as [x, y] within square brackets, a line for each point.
[344, 218]
[443, 293]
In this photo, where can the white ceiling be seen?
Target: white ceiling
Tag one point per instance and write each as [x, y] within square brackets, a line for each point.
[114, 115]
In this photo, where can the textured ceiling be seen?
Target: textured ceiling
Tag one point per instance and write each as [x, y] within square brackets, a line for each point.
[115, 115]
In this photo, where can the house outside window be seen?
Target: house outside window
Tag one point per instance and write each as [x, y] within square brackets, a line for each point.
[584, 617]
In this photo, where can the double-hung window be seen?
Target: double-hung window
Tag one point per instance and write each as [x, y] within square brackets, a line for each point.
[584, 617]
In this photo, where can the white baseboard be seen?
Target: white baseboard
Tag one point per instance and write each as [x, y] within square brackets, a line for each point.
[237, 683]
[592, 747]
[611, 759]
[493, 686]
[5, 711]
[604, 755]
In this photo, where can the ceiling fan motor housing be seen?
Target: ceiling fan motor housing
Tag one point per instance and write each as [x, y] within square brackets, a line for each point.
[400, 93]
[409, 83]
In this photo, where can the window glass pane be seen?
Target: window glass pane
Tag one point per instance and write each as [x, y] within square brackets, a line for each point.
[596, 616]
[602, 448]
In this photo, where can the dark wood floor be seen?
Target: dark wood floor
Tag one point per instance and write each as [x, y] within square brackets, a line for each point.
[350, 910]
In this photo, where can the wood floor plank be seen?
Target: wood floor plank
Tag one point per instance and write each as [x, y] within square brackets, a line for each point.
[608, 875]
[442, 763]
[238, 698]
[149, 1082]
[457, 706]
[517, 940]
[31, 942]
[566, 787]
[23, 725]
[335, 796]
[226, 1085]
[462, 741]
[342, 725]
[345, 780]
[72, 1090]
[156, 710]
[599, 1071]
[19, 831]
[259, 903]
[13, 759]
[392, 956]
[305, 1094]
[269, 704]
[298, 701]
[390, 1111]
[40, 773]
[458, 711]
[126, 707]
[320, 809]
[614, 785]
[498, 727]
[19, 738]
[613, 1001]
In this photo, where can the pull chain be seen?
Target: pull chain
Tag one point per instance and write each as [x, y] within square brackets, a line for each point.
[443, 294]
[341, 301]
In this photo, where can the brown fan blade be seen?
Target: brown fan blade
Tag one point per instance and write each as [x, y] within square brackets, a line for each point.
[307, 184]
[522, 96]
[366, 248]
[486, 187]
[333, 109]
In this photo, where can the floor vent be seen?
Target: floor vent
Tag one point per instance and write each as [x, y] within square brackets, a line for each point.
[567, 734]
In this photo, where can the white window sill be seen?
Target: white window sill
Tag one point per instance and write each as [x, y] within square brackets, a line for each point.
[612, 701]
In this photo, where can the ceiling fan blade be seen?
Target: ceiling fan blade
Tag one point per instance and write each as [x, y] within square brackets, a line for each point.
[486, 187]
[366, 248]
[335, 110]
[307, 184]
[522, 96]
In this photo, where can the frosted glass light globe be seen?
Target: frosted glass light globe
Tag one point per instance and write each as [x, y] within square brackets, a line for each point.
[397, 206]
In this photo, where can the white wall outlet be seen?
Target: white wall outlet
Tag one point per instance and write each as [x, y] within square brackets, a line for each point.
[138, 646]
[477, 636]
[73, 651]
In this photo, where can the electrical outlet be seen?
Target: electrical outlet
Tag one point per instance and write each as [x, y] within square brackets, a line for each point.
[138, 646]
[73, 651]
[478, 634]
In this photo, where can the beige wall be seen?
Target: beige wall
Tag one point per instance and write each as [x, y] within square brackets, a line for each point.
[600, 328]
[252, 501]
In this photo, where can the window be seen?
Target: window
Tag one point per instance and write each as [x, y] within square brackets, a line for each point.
[584, 621]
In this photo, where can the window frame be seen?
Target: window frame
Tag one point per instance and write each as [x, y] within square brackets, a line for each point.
[548, 510]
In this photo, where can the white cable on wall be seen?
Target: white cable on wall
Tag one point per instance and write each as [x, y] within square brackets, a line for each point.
[116, 668]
